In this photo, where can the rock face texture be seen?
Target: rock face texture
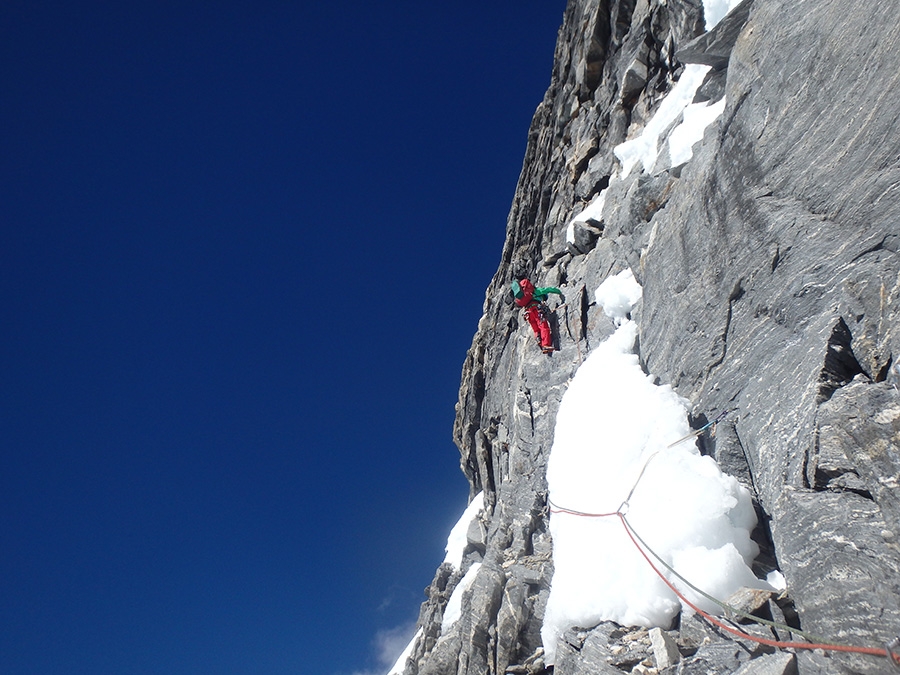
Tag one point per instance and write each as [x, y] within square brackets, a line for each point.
[771, 277]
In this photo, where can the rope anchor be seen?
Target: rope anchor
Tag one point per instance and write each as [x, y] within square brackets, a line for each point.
[696, 432]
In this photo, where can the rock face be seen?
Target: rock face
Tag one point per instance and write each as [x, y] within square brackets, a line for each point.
[771, 279]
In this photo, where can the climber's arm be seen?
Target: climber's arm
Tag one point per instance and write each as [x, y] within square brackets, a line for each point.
[542, 293]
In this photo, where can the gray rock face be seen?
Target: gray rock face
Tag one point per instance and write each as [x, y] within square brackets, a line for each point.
[771, 279]
[771, 664]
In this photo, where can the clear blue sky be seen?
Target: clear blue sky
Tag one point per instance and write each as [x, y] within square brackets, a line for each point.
[243, 251]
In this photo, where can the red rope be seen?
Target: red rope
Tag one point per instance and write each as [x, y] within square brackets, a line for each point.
[872, 651]
[746, 636]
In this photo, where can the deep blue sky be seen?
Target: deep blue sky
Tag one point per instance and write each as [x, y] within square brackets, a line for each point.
[243, 251]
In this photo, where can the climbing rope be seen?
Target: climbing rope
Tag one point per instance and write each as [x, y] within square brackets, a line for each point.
[709, 425]
[725, 605]
[721, 416]
[815, 642]
[828, 646]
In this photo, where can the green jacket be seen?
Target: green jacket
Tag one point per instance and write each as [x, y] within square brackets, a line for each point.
[540, 294]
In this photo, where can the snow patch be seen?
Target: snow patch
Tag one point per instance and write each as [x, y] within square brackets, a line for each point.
[616, 430]
[454, 604]
[456, 542]
[593, 211]
[715, 10]
[618, 295]
[644, 148]
[776, 580]
[696, 118]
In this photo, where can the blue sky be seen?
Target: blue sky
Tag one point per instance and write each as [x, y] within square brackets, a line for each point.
[244, 248]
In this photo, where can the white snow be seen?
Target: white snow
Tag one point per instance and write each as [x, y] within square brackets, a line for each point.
[696, 118]
[776, 580]
[456, 542]
[613, 423]
[400, 665]
[593, 211]
[715, 10]
[454, 605]
[645, 148]
[618, 295]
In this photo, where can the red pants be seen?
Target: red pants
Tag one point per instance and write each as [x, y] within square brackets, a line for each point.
[539, 325]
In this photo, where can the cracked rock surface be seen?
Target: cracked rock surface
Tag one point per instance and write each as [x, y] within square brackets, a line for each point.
[771, 277]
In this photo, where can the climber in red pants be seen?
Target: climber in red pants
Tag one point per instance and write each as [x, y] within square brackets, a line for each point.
[532, 299]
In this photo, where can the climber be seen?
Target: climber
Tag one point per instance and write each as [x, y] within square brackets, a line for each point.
[532, 299]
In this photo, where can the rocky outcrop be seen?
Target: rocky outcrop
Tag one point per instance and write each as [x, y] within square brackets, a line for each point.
[771, 279]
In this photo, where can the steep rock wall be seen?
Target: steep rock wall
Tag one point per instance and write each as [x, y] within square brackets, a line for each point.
[771, 283]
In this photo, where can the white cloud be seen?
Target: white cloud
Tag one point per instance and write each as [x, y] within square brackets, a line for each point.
[387, 646]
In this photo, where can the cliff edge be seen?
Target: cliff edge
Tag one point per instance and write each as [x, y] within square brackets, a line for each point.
[767, 252]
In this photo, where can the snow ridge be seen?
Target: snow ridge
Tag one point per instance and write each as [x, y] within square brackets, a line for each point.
[456, 541]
